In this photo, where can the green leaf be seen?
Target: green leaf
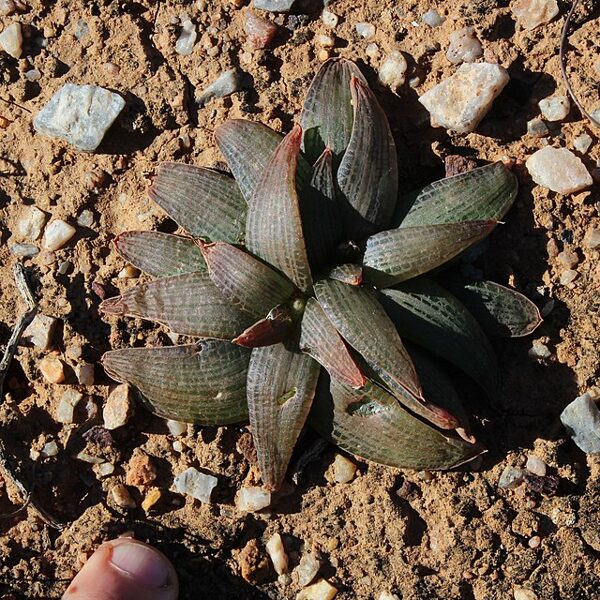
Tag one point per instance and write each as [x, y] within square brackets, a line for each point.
[206, 203]
[499, 310]
[483, 194]
[202, 383]
[347, 273]
[406, 252]
[321, 340]
[274, 226]
[281, 387]
[187, 304]
[426, 314]
[364, 324]
[371, 424]
[247, 147]
[327, 115]
[274, 328]
[160, 254]
[368, 174]
[245, 281]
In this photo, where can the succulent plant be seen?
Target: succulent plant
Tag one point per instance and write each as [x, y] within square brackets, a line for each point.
[303, 278]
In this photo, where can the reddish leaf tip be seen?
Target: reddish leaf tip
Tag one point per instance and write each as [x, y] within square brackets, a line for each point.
[112, 306]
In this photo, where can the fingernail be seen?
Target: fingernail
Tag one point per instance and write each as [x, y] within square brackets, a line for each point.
[145, 565]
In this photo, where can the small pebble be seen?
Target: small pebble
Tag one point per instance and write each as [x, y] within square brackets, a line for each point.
[559, 170]
[226, 83]
[321, 590]
[582, 143]
[178, 446]
[539, 350]
[365, 30]
[344, 469]
[568, 276]
[33, 75]
[23, 250]
[277, 554]
[187, 37]
[537, 128]
[533, 13]
[86, 218]
[50, 449]
[52, 369]
[547, 308]
[40, 331]
[555, 108]
[104, 469]
[140, 470]
[31, 224]
[277, 6]
[121, 496]
[432, 18]
[152, 497]
[85, 374]
[524, 594]
[128, 272]
[372, 51]
[323, 54]
[388, 596]
[329, 19]
[176, 428]
[308, 568]
[536, 465]
[464, 46]
[260, 31]
[392, 72]
[66, 406]
[252, 499]
[57, 234]
[88, 458]
[592, 238]
[118, 408]
[195, 484]
[510, 478]
[568, 258]
[325, 41]
[581, 419]
[11, 40]
[534, 542]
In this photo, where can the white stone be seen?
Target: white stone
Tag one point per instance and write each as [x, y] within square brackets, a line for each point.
[568, 276]
[88, 458]
[392, 72]
[122, 497]
[524, 594]
[187, 37]
[555, 108]
[592, 238]
[365, 30]
[537, 128]
[464, 46]
[582, 143]
[274, 5]
[372, 51]
[66, 406]
[23, 250]
[533, 13]
[118, 407]
[321, 590]
[227, 83]
[105, 469]
[11, 40]
[86, 218]
[85, 374]
[581, 419]
[252, 499]
[329, 19]
[559, 170]
[39, 332]
[461, 101]
[535, 465]
[195, 484]
[308, 568]
[30, 224]
[510, 478]
[57, 234]
[388, 596]
[344, 469]
[49, 449]
[176, 427]
[539, 350]
[432, 18]
[277, 554]
[80, 115]
[325, 41]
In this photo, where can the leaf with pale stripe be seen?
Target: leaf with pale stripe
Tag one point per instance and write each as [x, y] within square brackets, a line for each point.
[321, 340]
[368, 174]
[406, 252]
[428, 315]
[160, 254]
[499, 310]
[281, 386]
[247, 147]
[206, 203]
[274, 226]
[483, 194]
[371, 424]
[327, 114]
[188, 304]
[245, 281]
[202, 383]
[363, 323]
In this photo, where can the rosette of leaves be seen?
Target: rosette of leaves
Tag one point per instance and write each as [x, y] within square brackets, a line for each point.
[303, 278]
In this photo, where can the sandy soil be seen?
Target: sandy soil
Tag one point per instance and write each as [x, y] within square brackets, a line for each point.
[444, 535]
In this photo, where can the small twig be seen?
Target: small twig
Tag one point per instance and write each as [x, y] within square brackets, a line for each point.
[11, 347]
[563, 64]
[11, 103]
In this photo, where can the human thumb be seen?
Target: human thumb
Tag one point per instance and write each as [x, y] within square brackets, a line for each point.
[125, 569]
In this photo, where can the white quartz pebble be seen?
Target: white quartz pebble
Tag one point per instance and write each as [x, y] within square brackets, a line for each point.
[57, 234]
[559, 170]
[118, 407]
[39, 332]
[365, 30]
[533, 13]
[464, 46]
[581, 419]
[555, 108]
[321, 590]
[187, 37]
[31, 223]
[308, 568]
[252, 499]
[176, 427]
[196, 484]
[392, 72]
[277, 554]
[11, 40]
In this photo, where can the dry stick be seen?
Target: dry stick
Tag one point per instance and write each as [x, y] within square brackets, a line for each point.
[11, 347]
[563, 65]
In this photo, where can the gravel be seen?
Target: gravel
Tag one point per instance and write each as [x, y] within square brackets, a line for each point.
[226, 84]
[277, 554]
[40, 331]
[307, 568]
[581, 419]
[537, 128]
[52, 369]
[321, 590]
[530, 14]
[392, 72]
[260, 31]
[464, 46]
[365, 30]
[344, 469]
[187, 37]
[555, 108]
[278, 6]
[252, 499]
[66, 406]
[11, 40]
[559, 170]
[195, 484]
[118, 407]
[57, 234]
[510, 478]
[432, 18]
[30, 224]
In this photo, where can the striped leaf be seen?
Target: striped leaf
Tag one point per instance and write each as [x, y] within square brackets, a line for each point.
[347, 273]
[160, 254]
[206, 203]
[327, 115]
[245, 281]
[426, 314]
[247, 147]
[187, 304]
[321, 340]
[281, 387]
[398, 254]
[272, 329]
[202, 383]
[371, 424]
[499, 310]
[274, 226]
[483, 194]
[368, 173]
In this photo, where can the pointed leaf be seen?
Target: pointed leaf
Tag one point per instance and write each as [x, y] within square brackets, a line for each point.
[327, 115]
[321, 340]
[428, 315]
[500, 311]
[363, 323]
[202, 383]
[371, 424]
[347, 273]
[281, 387]
[187, 304]
[482, 194]
[368, 173]
[247, 147]
[245, 281]
[206, 203]
[274, 227]
[403, 253]
[274, 328]
[160, 254]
